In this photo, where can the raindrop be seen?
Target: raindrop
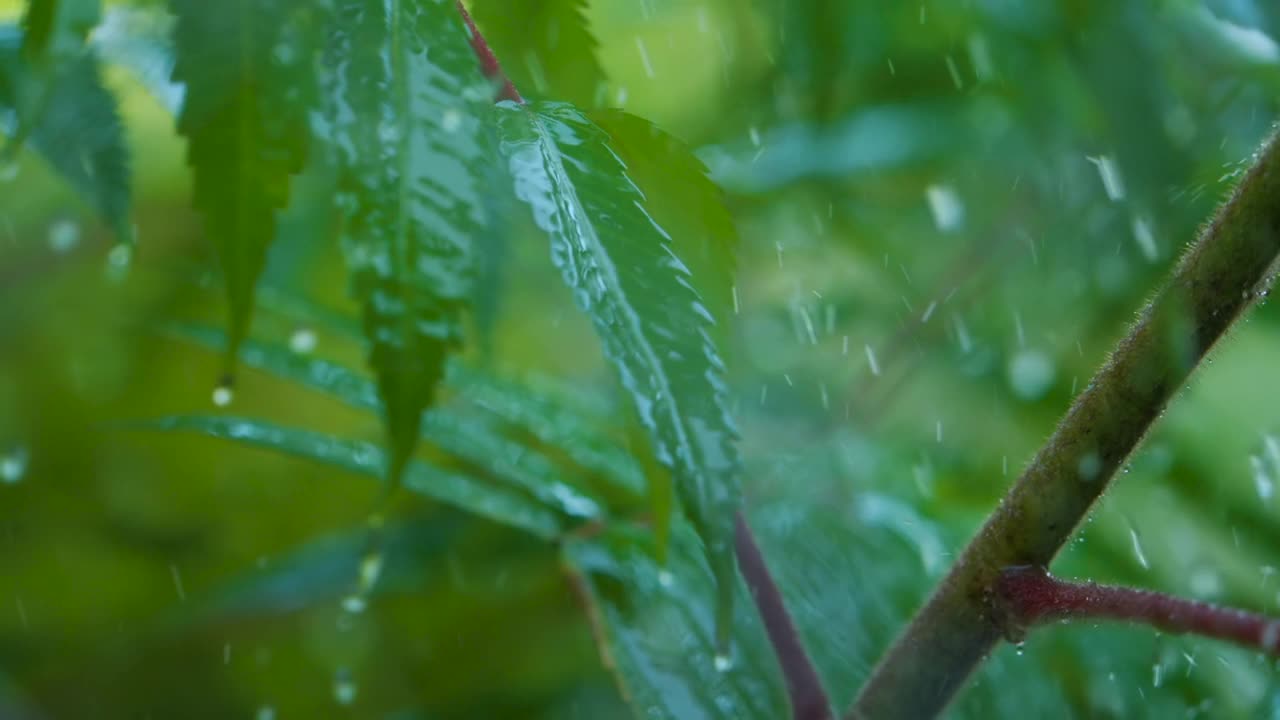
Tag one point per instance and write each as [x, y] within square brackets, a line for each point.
[13, 465]
[1137, 549]
[119, 259]
[1019, 648]
[344, 687]
[980, 57]
[223, 395]
[8, 170]
[177, 582]
[284, 53]
[945, 206]
[1109, 173]
[64, 235]
[1031, 374]
[266, 712]
[665, 578]
[871, 360]
[644, 57]
[723, 663]
[1145, 238]
[451, 120]
[302, 341]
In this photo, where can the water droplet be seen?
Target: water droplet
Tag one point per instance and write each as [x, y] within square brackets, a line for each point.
[284, 53]
[344, 687]
[119, 258]
[222, 396]
[1145, 237]
[1109, 173]
[871, 361]
[13, 465]
[451, 120]
[1137, 549]
[266, 712]
[723, 663]
[1031, 374]
[64, 235]
[8, 170]
[665, 578]
[1089, 466]
[945, 206]
[302, 341]
[1019, 648]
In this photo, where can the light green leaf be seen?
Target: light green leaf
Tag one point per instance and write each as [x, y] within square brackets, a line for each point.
[405, 101]
[545, 47]
[248, 70]
[79, 131]
[454, 488]
[656, 329]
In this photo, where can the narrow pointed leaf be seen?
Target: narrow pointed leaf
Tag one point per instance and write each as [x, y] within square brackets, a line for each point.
[79, 133]
[626, 275]
[453, 432]
[53, 37]
[247, 68]
[454, 488]
[684, 201]
[404, 102]
[545, 46]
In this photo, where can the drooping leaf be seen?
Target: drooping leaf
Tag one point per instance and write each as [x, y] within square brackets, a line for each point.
[248, 71]
[53, 36]
[545, 47]
[683, 200]
[453, 488]
[625, 274]
[471, 439]
[79, 132]
[405, 100]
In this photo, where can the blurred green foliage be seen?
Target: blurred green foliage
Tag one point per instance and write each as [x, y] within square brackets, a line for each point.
[948, 213]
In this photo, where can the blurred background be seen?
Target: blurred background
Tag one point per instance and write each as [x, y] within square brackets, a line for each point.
[949, 212]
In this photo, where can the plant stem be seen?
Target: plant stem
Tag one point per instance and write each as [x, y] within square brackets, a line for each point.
[804, 687]
[1222, 274]
[489, 64]
[1033, 597]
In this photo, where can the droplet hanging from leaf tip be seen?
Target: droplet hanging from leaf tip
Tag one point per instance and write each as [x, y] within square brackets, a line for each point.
[223, 392]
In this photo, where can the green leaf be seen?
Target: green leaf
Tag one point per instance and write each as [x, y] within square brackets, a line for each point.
[545, 47]
[657, 632]
[453, 488]
[683, 200]
[455, 433]
[140, 39]
[248, 70]
[79, 133]
[405, 126]
[626, 275]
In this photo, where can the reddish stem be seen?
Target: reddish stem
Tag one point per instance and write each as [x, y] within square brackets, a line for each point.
[804, 688]
[489, 64]
[1033, 596]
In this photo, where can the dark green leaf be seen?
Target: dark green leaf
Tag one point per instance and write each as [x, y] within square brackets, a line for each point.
[248, 70]
[453, 488]
[683, 200]
[79, 132]
[545, 47]
[657, 631]
[405, 126]
[626, 275]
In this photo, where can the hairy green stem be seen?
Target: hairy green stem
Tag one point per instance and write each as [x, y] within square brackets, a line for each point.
[1221, 275]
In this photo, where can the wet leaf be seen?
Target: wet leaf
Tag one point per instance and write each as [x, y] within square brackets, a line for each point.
[455, 433]
[405, 127]
[247, 67]
[656, 329]
[453, 488]
[79, 132]
[683, 200]
[545, 47]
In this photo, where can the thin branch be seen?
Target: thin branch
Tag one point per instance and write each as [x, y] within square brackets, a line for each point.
[1034, 597]
[804, 687]
[1221, 275]
[489, 64]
